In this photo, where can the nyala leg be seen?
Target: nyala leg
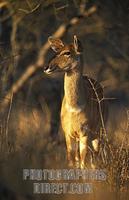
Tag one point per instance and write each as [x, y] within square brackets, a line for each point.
[70, 151]
[77, 157]
[83, 151]
[95, 145]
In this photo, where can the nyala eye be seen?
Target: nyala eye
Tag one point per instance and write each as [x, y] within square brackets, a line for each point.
[67, 53]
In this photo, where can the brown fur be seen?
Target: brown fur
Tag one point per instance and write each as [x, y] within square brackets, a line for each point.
[80, 117]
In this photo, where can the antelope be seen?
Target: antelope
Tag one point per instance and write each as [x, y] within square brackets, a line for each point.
[80, 117]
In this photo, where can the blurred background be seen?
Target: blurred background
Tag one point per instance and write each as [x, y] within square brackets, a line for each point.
[30, 101]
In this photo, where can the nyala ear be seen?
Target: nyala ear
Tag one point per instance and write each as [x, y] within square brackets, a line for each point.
[56, 44]
[77, 45]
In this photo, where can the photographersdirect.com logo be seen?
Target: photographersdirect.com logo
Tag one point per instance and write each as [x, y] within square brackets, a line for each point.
[62, 181]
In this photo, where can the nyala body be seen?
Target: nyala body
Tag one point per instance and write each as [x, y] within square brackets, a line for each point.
[80, 115]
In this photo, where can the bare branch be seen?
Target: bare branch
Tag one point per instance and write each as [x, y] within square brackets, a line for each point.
[29, 11]
[3, 4]
[7, 122]
[41, 57]
[104, 132]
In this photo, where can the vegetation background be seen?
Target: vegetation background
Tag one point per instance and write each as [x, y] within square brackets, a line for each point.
[30, 101]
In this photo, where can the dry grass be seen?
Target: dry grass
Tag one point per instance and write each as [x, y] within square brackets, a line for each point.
[115, 159]
[30, 145]
[25, 129]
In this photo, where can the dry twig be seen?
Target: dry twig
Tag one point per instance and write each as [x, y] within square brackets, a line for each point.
[42, 53]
